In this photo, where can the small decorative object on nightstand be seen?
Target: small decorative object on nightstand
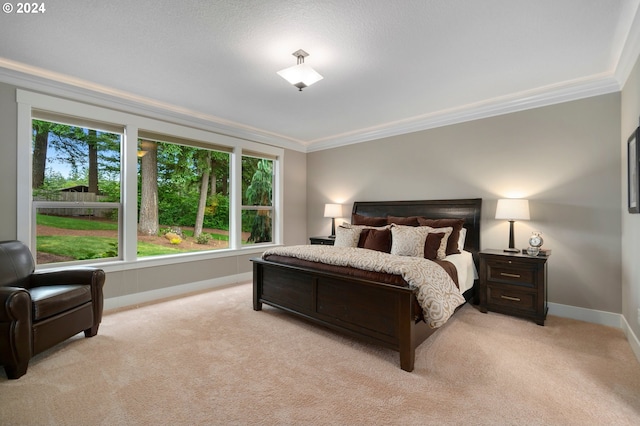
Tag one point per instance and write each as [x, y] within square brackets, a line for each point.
[514, 284]
[535, 241]
[326, 241]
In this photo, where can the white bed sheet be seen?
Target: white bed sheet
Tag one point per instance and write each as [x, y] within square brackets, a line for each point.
[467, 271]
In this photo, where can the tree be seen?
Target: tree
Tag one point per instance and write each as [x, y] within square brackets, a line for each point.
[92, 145]
[40, 144]
[87, 153]
[259, 193]
[148, 222]
[205, 165]
[219, 173]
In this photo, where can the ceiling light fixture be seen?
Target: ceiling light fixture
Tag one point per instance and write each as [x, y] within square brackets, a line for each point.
[300, 75]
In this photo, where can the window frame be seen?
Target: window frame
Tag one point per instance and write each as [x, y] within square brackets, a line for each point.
[271, 208]
[173, 140]
[37, 204]
[131, 122]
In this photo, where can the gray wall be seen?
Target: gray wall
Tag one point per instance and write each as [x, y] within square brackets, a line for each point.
[564, 158]
[295, 197]
[141, 279]
[630, 222]
[8, 171]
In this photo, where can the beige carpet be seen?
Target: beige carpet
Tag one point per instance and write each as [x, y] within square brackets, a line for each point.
[210, 359]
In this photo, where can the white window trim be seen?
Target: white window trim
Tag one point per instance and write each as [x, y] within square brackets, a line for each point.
[131, 122]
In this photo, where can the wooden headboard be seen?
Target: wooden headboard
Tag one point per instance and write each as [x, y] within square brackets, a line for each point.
[468, 209]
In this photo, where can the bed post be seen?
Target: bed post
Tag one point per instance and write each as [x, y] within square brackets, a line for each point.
[257, 286]
[405, 325]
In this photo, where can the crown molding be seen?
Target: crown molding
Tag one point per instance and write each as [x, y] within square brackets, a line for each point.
[48, 82]
[554, 94]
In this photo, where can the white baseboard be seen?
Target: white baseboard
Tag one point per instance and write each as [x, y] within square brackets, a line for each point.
[598, 317]
[631, 337]
[162, 293]
[583, 314]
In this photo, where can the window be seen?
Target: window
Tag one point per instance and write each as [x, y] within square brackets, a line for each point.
[257, 200]
[101, 185]
[76, 192]
[183, 197]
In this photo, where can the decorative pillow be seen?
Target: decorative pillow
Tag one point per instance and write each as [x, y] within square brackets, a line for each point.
[456, 224]
[375, 239]
[358, 219]
[361, 227]
[408, 240]
[406, 221]
[347, 237]
[432, 244]
[462, 239]
[442, 250]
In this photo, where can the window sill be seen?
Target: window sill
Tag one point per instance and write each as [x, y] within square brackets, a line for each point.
[153, 261]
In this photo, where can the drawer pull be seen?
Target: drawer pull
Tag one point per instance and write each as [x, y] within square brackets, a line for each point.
[515, 299]
[504, 274]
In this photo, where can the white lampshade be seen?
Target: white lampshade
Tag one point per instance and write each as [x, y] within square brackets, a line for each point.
[333, 210]
[301, 75]
[512, 209]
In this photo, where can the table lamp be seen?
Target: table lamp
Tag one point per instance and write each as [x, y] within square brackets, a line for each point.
[333, 211]
[512, 209]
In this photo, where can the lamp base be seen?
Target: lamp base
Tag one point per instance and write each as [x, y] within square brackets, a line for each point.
[511, 250]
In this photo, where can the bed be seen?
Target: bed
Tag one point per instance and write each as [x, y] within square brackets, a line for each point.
[378, 308]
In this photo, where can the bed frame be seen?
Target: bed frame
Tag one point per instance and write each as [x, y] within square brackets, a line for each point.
[374, 312]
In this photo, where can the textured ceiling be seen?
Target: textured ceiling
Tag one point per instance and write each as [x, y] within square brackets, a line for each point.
[388, 66]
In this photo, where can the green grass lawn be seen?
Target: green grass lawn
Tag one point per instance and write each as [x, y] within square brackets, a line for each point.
[83, 248]
[66, 222]
[94, 247]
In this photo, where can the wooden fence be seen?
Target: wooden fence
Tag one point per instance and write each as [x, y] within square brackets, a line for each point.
[74, 197]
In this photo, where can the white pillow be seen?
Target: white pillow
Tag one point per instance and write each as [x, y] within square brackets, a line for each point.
[442, 250]
[347, 237]
[461, 239]
[408, 240]
[361, 227]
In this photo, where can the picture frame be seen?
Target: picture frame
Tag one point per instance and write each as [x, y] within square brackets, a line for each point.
[633, 162]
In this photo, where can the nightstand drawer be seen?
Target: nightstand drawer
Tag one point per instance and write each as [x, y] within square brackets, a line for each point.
[511, 273]
[510, 297]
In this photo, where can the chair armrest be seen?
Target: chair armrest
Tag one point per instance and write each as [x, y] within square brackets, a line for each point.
[84, 276]
[15, 304]
[15, 330]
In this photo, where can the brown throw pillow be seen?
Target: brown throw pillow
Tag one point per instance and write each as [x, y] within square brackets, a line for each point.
[456, 224]
[376, 239]
[432, 244]
[399, 220]
[358, 219]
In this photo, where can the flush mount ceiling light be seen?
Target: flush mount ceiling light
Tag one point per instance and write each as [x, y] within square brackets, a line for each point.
[300, 75]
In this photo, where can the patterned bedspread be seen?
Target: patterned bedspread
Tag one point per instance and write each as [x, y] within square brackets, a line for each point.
[435, 290]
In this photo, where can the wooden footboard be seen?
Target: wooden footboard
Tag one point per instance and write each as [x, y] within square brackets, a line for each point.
[378, 313]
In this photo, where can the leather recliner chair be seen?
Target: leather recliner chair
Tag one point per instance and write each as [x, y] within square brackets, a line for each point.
[39, 309]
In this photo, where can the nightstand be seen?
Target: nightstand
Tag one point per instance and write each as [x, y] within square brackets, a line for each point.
[325, 241]
[514, 284]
